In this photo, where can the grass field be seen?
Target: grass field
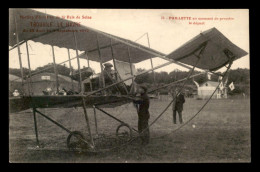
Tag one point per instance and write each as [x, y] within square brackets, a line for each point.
[222, 134]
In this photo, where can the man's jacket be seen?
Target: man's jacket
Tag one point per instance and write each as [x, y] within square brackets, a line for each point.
[144, 102]
[180, 100]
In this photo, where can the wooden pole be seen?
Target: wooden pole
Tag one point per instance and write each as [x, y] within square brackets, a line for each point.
[55, 70]
[35, 125]
[72, 86]
[101, 66]
[130, 63]
[91, 74]
[95, 116]
[16, 45]
[87, 120]
[80, 78]
[29, 66]
[112, 52]
[151, 59]
[19, 52]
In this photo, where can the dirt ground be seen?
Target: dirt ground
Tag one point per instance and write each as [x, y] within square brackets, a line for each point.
[220, 133]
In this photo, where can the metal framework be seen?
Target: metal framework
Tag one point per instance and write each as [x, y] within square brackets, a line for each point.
[103, 86]
[91, 144]
[108, 114]
[35, 111]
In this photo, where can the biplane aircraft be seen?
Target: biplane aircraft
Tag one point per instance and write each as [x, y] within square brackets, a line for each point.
[209, 50]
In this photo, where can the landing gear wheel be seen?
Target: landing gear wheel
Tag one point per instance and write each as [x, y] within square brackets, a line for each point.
[74, 141]
[124, 132]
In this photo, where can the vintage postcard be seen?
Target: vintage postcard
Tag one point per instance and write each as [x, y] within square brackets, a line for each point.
[129, 86]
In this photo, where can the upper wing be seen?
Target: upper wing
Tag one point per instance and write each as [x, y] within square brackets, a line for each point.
[213, 49]
[86, 40]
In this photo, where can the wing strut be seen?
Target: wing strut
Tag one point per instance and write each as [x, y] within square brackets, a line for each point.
[55, 70]
[70, 70]
[130, 63]
[19, 52]
[151, 59]
[77, 54]
[101, 66]
[29, 66]
[90, 82]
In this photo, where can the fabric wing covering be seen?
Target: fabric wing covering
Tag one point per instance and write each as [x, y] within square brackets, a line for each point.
[124, 71]
[63, 37]
[212, 47]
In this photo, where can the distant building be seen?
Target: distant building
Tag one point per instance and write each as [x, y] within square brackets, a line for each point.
[13, 78]
[206, 89]
[43, 81]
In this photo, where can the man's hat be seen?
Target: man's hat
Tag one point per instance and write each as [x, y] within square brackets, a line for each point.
[108, 65]
[143, 87]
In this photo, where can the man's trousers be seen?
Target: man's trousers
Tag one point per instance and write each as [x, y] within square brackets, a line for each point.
[180, 116]
[143, 130]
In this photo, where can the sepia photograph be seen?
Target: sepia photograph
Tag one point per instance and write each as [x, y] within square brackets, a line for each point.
[129, 86]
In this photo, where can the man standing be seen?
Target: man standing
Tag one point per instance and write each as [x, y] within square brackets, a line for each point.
[109, 74]
[109, 77]
[177, 105]
[112, 77]
[143, 114]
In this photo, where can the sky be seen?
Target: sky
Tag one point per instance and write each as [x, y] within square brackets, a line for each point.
[165, 35]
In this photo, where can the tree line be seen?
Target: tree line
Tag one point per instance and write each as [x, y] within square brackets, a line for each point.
[237, 76]
[240, 77]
